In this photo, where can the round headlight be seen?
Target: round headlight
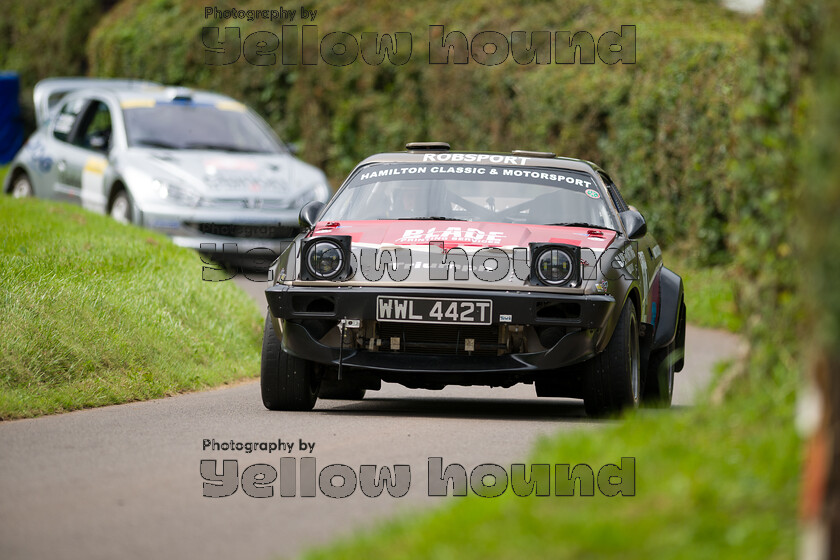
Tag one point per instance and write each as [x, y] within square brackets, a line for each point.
[325, 259]
[554, 266]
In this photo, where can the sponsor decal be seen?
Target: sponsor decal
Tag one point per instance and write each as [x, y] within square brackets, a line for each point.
[95, 165]
[93, 182]
[591, 193]
[38, 156]
[454, 233]
[489, 172]
[475, 158]
[137, 103]
[214, 165]
[230, 106]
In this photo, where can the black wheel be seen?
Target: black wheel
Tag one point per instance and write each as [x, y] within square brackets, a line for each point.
[121, 207]
[286, 382]
[659, 383]
[612, 379]
[22, 186]
[341, 391]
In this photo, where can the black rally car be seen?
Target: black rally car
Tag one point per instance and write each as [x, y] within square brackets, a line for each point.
[431, 267]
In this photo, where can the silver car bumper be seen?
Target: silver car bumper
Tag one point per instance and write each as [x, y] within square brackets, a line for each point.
[214, 230]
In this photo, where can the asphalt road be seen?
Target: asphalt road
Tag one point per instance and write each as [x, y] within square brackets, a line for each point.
[124, 481]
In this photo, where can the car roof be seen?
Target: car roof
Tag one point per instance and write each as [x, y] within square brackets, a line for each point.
[517, 157]
[159, 94]
[164, 93]
[49, 92]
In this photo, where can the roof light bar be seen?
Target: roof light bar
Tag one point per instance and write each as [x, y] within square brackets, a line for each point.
[528, 153]
[427, 146]
[180, 94]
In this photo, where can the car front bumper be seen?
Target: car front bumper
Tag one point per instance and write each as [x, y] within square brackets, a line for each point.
[583, 335]
[216, 230]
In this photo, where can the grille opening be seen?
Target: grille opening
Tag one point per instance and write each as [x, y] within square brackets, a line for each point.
[241, 231]
[316, 328]
[313, 304]
[549, 336]
[449, 340]
[558, 310]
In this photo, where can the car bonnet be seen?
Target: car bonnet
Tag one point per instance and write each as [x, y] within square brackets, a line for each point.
[422, 236]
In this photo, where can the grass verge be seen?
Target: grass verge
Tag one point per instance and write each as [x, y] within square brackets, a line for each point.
[709, 294]
[98, 313]
[710, 482]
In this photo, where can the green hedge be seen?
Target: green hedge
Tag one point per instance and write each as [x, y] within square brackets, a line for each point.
[42, 39]
[820, 203]
[767, 174]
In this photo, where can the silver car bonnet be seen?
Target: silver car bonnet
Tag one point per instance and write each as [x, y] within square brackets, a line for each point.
[278, 179]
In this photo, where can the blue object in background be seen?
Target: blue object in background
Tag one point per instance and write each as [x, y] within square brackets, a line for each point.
[11, 126]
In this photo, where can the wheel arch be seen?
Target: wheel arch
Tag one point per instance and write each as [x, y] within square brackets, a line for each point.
[13, 174]
[671, 309]
[633, 296]
[117, 186]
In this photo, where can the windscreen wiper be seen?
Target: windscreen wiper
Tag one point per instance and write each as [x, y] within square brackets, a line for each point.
[580, 224]
[222, 147]
[152, 143]
[446, 218]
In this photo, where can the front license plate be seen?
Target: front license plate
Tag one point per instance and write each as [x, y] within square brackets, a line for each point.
[434, 310]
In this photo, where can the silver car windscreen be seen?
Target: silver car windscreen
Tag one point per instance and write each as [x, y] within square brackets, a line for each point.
[196, 126]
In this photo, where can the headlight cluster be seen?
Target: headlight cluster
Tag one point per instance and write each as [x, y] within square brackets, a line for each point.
[326, 258]
[175, 194]
[554, 265]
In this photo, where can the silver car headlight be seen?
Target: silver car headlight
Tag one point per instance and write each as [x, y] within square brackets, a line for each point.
[175, 194]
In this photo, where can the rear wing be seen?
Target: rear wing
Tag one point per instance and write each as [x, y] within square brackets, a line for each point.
[49, 92]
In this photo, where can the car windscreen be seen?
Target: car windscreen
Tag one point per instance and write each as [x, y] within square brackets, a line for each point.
[194, 126]
[503, 194]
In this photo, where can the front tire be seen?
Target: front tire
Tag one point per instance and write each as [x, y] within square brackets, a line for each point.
[286, 382]
[612, 380]
[121, 207]
[22, 187]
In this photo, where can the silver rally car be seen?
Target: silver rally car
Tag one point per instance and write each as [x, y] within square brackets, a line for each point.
[198, 166]
[431, 268]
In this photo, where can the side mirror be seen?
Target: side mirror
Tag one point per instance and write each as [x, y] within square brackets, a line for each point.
[634, 223]
[99, 142]
[309, 214]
